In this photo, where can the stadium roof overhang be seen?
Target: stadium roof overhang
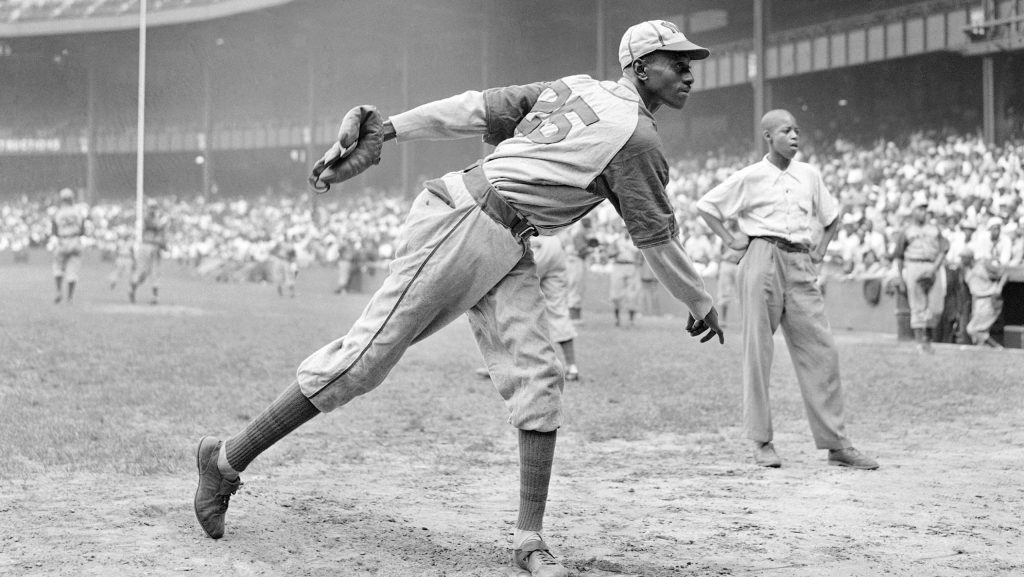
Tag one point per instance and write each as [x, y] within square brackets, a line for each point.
[154, 18]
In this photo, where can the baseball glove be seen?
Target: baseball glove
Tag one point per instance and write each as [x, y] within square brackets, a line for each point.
[360, 140]
[926, 282]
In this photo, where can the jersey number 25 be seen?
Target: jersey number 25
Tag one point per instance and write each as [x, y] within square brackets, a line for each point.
[547, 122]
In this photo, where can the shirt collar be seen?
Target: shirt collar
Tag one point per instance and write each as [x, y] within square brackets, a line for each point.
[778, 172]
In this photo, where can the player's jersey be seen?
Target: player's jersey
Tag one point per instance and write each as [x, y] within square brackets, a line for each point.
[68, 222]
[562, 147]
[284, 250]
[921, 242]
[154, 230]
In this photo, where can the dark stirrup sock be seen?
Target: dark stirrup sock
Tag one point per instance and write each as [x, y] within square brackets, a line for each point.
[281, 417]
[536, 453]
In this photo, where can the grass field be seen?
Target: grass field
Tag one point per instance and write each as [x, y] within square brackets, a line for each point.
[102, 402]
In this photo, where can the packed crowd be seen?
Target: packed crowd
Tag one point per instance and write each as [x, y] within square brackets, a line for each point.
[974, 193]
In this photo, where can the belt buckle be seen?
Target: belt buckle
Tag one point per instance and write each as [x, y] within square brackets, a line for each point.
[525, 232]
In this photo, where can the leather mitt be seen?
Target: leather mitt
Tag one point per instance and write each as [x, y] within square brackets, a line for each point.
[359, 145]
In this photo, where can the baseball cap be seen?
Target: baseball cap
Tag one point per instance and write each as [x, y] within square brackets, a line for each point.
[66, 194]
[646, 37]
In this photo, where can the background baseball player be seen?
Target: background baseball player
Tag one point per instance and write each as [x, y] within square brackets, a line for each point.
[561, 148]
[624, 280]
[283, 265]
[786, 218]
[580, 243]
[146, 265]
[67, 227]
[549, 256]
[920, 255]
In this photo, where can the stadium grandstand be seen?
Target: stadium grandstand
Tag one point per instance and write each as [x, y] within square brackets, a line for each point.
[242, 95]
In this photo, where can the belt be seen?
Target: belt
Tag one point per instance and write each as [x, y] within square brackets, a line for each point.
[920, 260]
[784, 244]
[494, 206]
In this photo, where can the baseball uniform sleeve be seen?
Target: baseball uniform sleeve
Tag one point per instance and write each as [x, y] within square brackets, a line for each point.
[675, 271]
[458, 116]
[634, 182]
[506, 107]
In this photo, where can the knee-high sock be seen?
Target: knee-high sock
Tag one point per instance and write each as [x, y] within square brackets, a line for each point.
[281, 417]
[536, 453]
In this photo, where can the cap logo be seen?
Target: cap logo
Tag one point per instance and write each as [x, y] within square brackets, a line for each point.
[670, 26]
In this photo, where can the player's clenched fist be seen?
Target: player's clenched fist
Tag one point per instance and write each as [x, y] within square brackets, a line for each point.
[709, 323]
[359, 144]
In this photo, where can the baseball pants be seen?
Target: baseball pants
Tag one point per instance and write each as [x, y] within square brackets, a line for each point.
[778, 288]
[624, 286]
[452, 258]
[576, 276]
[147, 264]
[67, 259]
[925, 307]
[549, 257]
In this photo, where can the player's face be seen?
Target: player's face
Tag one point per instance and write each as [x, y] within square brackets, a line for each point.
[920, 214]
[668, 79]
[784, 138]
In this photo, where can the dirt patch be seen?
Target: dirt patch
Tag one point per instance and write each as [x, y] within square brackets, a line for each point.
[669, 505]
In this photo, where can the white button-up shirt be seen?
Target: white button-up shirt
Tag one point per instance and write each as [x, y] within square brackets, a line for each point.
[793, 204]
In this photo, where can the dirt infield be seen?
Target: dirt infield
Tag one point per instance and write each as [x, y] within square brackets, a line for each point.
[667, 505]
[652, 476]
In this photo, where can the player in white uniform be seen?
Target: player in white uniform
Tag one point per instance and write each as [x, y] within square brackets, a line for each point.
[549, 256]
[67, 229]
[624, 280]
[146, 263]
[562, 148]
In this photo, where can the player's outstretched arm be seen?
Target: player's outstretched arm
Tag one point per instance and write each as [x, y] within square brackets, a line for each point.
[675, 271]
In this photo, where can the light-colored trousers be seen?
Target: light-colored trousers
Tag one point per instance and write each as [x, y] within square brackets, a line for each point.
[925, 307]
[452, 258]
[779, 288]
[576, 275]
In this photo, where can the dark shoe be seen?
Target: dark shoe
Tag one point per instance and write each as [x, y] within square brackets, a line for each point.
[765, 455]
[852, 458]
[214, 490]
[536, 558]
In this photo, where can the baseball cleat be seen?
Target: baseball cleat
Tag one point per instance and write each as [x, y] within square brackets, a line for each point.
[536, 558]
[850, 457]
[573, 374]
[765, 455]
[214, 490]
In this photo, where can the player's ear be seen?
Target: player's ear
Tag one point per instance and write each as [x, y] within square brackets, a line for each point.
[640, 69]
